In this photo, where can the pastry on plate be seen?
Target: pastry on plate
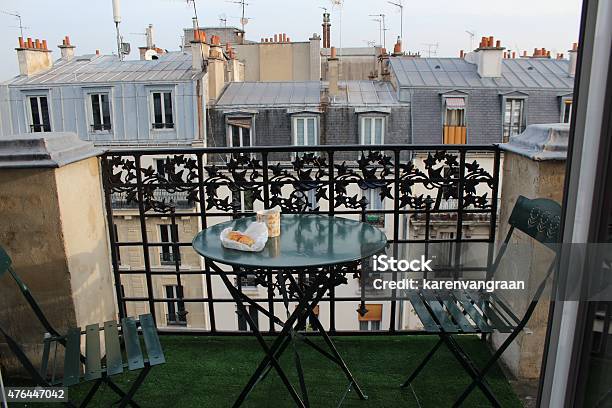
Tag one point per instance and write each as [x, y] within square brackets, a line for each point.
[240, 237]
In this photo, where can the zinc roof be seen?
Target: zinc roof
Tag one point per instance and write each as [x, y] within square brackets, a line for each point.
[170, 67]
[527, 73]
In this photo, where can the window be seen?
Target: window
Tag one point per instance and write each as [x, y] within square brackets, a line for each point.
[160, 167]
[39, 114]
[514, 118]
[372, 130]
[566, 111]
[371, 320]
[305, 132]
[242, 321]
[243, 200]
[176, 309]
[239, 132]
[168, 233]
[375, 202]
[118, 251]
[454, 121]
[100, 118]
[162, 110]
[246, 280]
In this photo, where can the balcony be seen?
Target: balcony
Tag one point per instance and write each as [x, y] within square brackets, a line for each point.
[201, 187]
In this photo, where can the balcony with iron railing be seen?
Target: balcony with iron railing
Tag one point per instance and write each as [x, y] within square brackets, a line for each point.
[211, 357]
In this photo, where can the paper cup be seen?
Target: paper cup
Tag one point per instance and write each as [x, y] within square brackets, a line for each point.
[271, 218]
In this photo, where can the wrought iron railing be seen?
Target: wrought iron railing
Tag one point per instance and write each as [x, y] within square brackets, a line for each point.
[224, 183]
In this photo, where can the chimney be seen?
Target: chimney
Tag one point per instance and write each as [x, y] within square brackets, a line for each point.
[315, 57]
[149, 34]
[326, 30]
[573, 59]
[334, 72]
[33, 56]
[216, 68]
[461, 54]
[397, 48]
[489, 56]
[66, 49]
[199, 50]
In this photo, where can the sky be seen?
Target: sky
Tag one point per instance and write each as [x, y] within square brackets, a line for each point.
[432, 27]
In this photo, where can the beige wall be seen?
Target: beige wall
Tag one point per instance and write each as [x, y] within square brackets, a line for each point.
[53, 227]
[532, 179]
[279, 61]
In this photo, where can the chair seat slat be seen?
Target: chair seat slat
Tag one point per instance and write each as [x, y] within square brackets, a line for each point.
[422, 312]
[474, 313]
[488, 312]
[151, 338]
[132, 343]
[456, 313]
[439, 312]
[93, 366]
[114, 361]
[72, 358]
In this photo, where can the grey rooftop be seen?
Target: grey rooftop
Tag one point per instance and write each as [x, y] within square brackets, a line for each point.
[517, 73]
[541, 142]
[306, 94]
[44, 150]
[93, 69]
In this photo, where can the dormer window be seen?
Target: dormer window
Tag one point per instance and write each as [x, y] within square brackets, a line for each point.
[514, 117]
[100, 117]
[455, 131]
[38, 112]
[161, 106]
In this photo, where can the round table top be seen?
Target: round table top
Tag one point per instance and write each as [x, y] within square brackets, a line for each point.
[308, 240]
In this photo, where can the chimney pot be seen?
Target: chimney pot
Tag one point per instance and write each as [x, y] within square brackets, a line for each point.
[29, 43]
[44, 44]
[333, 52]
[288, 40]
[97, 52]
[21, 43]
[491, 41]
[461, 54]
[37, 44]
[575, 47]
[67, 40]
[275, 37]
[498, 44]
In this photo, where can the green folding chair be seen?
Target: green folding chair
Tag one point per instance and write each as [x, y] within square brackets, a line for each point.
[452, 313]
[92, 366]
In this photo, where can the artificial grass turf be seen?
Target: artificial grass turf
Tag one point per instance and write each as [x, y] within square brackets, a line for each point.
[211, 372]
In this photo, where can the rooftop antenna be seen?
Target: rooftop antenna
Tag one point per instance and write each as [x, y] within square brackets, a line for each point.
[432, 49]
[243, 20]
[222, 20]
[18, 16]
[117, 20]
[382, 26]
[401, 9]
[472, 34]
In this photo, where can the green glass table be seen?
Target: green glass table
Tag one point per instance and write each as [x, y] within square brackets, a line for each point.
[322, 248]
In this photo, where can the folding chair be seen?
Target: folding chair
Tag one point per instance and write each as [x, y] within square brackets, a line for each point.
[96, 369]
[446, 313]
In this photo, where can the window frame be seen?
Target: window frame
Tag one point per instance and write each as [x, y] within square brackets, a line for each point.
[29, 114]
[566, 100]
[152, 123]
[523, 125]
[373, 118]
[294, 127]
[177, 305]
[171, 229]
[90, 111]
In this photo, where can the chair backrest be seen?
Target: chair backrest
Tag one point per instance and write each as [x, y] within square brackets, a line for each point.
[539, 218]
[6, 266]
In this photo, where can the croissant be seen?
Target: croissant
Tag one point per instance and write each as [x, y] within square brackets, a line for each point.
[240, 237]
